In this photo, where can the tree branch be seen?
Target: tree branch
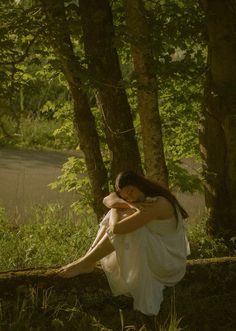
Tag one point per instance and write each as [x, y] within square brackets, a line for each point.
[23, 56]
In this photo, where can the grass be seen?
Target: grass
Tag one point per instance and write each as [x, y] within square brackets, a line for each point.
[172, 323]
[49, 237]
[204, 246]
[46, 310]
[41, 310]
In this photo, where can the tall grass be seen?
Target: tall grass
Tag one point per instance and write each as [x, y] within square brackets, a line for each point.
[46, 310]
[203, 245]
[47, 237]
[172, 323]
[50, 237]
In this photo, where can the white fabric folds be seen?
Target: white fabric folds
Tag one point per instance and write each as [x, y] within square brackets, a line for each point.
[146, 260]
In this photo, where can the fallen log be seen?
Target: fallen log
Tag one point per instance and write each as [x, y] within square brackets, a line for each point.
[206, 293]
[220, 273]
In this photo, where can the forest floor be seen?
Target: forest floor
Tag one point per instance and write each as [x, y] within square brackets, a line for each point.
[207, 306]
[37, 299]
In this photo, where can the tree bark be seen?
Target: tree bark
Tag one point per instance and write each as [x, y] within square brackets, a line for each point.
[197, 271]
[106, 78]
[218, 120]
[147, 90]
[83, 117]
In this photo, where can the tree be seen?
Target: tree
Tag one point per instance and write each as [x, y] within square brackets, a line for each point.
[58, 34]
[106, 79]
[218, 121]
[96, 68]
[14, 49]
[139, 35]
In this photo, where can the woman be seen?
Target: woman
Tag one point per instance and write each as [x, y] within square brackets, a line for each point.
[141, 242]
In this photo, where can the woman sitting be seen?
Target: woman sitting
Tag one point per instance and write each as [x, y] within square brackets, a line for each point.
[141, 242]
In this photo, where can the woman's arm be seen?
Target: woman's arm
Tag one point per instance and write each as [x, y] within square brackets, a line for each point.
[117, 214]
[127, 224]
[144, 213]
[113, 201]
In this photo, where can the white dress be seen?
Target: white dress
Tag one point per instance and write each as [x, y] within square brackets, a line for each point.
[146, 260]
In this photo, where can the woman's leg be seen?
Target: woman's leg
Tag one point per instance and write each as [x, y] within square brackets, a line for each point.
[87, 263]
[99, 236]
[101, 231]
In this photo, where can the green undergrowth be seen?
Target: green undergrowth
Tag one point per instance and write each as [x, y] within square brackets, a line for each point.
[50, 237]
[47, 309]
[39, 133]
[203, 245]
[47, 237]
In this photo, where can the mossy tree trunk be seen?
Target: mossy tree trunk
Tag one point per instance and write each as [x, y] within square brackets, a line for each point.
[218, 121]
[59, 37]
[106, 78]
[139, 34]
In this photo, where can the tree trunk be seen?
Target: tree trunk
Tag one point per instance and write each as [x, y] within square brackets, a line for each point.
[145, 74]
[106, 78]
[84, 119]
[218, 122]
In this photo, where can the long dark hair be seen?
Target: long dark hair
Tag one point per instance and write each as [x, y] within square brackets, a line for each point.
[148, 187]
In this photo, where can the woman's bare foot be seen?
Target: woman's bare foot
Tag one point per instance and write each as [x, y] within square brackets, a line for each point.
[75, 269]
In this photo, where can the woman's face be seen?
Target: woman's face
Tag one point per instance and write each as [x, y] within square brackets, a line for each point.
[131, 193]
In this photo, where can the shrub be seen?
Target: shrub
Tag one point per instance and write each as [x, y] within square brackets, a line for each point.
[202, 245]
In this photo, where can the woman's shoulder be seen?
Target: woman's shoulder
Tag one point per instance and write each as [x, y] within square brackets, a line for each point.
[157, 201]
[160, 206]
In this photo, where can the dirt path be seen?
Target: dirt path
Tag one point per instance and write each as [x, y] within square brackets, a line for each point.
[24, 179]
[25, 175]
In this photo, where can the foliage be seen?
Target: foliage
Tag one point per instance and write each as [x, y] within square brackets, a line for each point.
[35, 86]
[37, 309]
[172, 323]
[74, 178]
[180, 53]
[39, 133]
[52, 237]
[18, 33]
[203, 245]
[37, 107]
[180, 107]
[48, 237]
[181, 178]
